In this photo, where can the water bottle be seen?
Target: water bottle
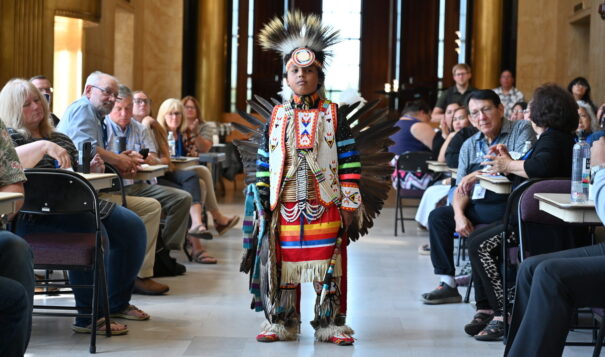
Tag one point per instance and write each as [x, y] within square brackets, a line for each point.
[580, 170]
[171, 144]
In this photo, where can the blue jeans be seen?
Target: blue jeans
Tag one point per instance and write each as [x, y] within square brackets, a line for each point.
[16, 294]
[125, 234]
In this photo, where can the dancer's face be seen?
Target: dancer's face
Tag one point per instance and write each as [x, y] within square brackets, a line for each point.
[303, 80]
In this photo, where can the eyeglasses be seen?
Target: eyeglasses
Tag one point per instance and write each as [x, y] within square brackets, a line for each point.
[526, 111]
[484, 110]
[460, 74]
[108, 92]
[190, 107]
[142, 101]
[45, 90]
[175, 114]
[518, 111]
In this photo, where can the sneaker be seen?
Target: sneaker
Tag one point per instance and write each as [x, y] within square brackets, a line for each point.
[424, 249]
[478, 323]
[443, 294]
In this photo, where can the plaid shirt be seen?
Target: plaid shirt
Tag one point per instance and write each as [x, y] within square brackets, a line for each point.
[508, 100]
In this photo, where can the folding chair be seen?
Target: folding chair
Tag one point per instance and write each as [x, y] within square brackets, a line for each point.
[70, 194]
[411, 161]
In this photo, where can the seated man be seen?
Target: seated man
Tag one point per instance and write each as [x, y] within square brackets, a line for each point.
[83, 121]
[471, 204]
[16, 267]
[551, 286]
[175, 202]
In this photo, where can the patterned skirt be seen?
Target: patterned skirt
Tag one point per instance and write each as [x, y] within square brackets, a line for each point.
[305, 248]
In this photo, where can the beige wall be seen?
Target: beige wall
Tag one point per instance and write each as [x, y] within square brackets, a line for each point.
[556, 44]
[148, 58]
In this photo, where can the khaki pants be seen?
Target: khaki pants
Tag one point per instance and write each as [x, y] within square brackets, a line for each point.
[150, 211]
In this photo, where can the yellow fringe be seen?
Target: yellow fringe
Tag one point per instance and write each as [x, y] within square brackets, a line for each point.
[307, 272]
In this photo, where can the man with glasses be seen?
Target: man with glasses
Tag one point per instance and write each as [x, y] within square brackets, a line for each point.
[46, 88]
[458, 93]
[83, 121]
[471, 204]
[175, 202]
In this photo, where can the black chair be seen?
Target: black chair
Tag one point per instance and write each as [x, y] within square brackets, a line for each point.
[414, 162]
[69, 193]
[117, 184]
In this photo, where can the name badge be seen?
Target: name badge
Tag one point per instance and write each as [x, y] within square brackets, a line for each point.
[478, 192]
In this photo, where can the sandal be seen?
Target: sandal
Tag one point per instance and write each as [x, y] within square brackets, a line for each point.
[200, 231]
[223, 228]
[188, 249]
[131, 312]
[203, 258]
[494, 331]
[480, 320]
[116, 328]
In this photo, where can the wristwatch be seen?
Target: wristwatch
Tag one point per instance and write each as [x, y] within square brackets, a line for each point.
[594, 170]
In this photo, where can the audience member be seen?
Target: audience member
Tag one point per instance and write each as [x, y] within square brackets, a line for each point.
[46, 88]
[189, 143]
[82, 122]
[550, 287]
[471, 204]
[174, 202]
[198, 128]
[25, 111]
[588, 121]
[415, 134]
[445, 128]
[509, 95]
[458, 93]
[16, 262]
[187, 180]
[436, 193]
[580, 89]
[554, 118]
[517, 112]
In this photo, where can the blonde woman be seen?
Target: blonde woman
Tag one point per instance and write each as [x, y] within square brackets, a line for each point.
[190, 143]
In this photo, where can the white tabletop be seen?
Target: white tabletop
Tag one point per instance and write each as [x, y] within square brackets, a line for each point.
[150, 171]
[560, 206]
[184, 162]
[8, 202]
[99, 181]
[437, 166]
[454, 172]
[497, 184]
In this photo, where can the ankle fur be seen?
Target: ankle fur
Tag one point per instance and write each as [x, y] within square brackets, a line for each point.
[283, 333]
[323, 334]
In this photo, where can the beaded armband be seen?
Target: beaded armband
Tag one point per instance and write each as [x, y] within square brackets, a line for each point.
[351, 198]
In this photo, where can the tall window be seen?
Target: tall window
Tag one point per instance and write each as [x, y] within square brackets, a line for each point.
[67, 71]
[343, 67]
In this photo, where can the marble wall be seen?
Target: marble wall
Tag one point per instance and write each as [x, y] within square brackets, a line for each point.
[557, 42]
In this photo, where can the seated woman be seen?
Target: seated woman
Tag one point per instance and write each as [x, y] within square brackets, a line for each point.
[588, 120]
[182, 179]
[25, 111]
[435, 193]
[554, 117]
[445, 128]
[415, 134]
[517, 111]
[191, 143]
[580, 89]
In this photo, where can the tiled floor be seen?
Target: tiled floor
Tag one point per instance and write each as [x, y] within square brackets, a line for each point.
[206, 312]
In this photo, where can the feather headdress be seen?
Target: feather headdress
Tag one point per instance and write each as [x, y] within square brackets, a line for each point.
[299, 31]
